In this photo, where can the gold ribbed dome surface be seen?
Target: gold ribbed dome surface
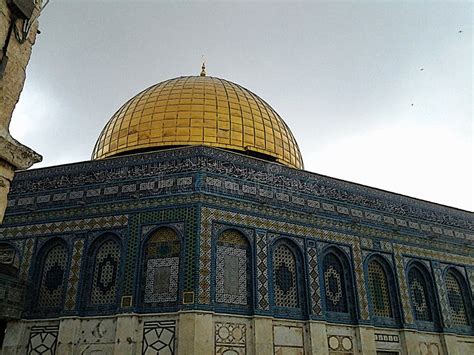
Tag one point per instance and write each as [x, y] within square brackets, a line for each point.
[198, 110]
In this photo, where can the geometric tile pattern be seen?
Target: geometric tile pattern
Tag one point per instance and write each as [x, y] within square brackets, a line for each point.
[26, 262]
[74, 274]
[250, 221]
[160, 216]
[379, 289]
[257, 222]
[435, 243]
[286, 219]
[52, 277]
[233, 269]
[442, 295]
[420, 250]
[430, 253]
[161, 266]
[289, 221]
[285, 285]
[271, 178]
[460, 259]
[232, 234]
[218, 185]
[262, 270]
[425, 262]
[313, 273]
[164, 242]
[404, 294]
[104, 280]
[19, 244]
[204, 294]
[420, 297]
[366, 243]
[386, 246]
[146, 229]
[43, 340]
[227, 164]
[159, 337]
[456, 300]
[64, 226]
[231, 275]
[162, 280]
[334, 284]
[436, 251]
[230, 338]
[360, 282]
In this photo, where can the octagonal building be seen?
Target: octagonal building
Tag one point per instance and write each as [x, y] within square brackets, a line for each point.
[195, 230]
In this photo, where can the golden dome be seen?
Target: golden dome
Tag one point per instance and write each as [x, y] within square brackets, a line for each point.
[199, 110]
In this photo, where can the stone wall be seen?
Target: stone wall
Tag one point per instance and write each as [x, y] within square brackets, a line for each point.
[209, 333]
[18, 58]
[13, 155]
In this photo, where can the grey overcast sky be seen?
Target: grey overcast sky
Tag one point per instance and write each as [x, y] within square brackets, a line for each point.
[346, 76]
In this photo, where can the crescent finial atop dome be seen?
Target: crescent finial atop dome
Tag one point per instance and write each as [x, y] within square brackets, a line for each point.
[203, 67]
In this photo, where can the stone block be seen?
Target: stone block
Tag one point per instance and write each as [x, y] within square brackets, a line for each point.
[287, 335]
[263, 336]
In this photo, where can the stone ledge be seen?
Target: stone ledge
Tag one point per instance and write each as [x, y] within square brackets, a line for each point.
[16, 154]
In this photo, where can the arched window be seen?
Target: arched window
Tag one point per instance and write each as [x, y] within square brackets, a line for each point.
[233, 269]
[379, 290]
[337, 286]
[334, 284]
[102, 273]
[52, 276]
[161, 268]
[420, 295]
[456, 290]
[9, 260]
[288, 284]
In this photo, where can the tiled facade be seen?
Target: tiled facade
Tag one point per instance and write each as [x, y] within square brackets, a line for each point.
[201, 230]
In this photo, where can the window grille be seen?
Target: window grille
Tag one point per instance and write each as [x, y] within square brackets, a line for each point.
[284, 278]
[104, 277]
[233, 268]
[53, 277]
[379, 290]
[419, 296]
[161, 268]
[456, 300]
[334, 284]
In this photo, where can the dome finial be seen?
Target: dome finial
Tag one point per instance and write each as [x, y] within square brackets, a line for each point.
[203, 68]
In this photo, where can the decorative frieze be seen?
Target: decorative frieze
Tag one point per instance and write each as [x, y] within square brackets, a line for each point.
[159, 337]
[230, 166]
[386, 338]
[340, 344]
[43, 339]
[64, 226]
[230, 338]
